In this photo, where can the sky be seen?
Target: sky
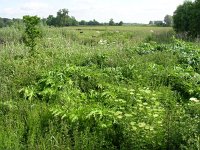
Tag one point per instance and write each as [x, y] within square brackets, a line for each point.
[129, 11]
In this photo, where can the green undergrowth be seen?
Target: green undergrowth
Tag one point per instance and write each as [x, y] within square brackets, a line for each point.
[108, 93]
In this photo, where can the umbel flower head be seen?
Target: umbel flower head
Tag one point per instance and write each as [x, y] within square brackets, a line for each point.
[194, 100]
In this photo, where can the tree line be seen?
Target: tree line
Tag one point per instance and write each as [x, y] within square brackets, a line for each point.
[61, 19]
[4, 22]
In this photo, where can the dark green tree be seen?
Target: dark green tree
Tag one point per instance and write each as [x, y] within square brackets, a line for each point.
[82, 22]
[168, 20]
[121, 23]
[111, 22]
[5, 22]
[195, 19]
[51, 21]
[182, 17]
[187, 18]
[1, 23]
[158, 23]
[62, 18]
[93, 23]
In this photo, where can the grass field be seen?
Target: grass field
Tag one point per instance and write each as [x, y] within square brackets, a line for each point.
[89, 88]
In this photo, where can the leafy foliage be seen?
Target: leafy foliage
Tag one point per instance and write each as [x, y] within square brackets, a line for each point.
[31, 31]
[186, 18]
[62, 19]
[119, 93]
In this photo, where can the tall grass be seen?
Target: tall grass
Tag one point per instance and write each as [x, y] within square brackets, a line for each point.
[118, 88]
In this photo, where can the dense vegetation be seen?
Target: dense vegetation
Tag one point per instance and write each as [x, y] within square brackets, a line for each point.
[187, 19]
[99, 88]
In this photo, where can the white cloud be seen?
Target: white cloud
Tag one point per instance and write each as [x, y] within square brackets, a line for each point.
[34, 6]
[28, 8]
[9, 11]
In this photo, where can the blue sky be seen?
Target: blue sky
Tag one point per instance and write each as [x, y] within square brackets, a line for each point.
[140, 11]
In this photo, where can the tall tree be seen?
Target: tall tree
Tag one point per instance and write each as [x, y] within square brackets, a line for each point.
[168, 20]
[62, 17]
[182, 17]
[195, 19]
[187, 18]
[111, 22]
[51, 21]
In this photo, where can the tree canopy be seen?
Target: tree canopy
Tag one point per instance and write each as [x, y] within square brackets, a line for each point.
[168, 20]
[62, 19]
[4, 22]
[187, 18]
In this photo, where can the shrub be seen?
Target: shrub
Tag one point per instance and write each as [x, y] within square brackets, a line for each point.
[31, 31]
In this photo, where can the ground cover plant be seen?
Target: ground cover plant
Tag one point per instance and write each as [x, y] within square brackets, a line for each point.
[99, 88]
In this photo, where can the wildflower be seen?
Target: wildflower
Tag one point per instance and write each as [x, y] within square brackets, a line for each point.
[194, 100]
[103, 42]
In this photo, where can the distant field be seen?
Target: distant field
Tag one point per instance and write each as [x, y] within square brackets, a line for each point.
[121, 28]
[136, 31]
[131, 34]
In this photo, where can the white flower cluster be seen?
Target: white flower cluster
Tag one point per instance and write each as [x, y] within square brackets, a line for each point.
[194, 100]
[103, 42]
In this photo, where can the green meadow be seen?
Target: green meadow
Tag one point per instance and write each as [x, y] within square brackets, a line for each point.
[99, 88]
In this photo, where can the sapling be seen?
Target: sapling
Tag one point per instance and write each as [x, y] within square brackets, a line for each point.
[32, 32]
